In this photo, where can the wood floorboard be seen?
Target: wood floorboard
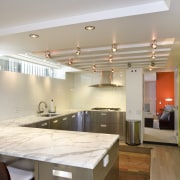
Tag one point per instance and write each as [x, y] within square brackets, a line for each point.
[134, 163]
[163, 162]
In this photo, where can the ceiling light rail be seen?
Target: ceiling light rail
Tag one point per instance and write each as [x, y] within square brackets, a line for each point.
[163, 46]
[135, 59]
[114, 63]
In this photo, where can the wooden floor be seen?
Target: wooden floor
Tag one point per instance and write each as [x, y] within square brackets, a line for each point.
[134, 162]
[162, 164]
[165, 162]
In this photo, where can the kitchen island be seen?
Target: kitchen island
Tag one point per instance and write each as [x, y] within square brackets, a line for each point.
[61, 154]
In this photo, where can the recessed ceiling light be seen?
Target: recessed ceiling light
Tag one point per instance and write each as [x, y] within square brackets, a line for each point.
[89, 28]
[33, 35]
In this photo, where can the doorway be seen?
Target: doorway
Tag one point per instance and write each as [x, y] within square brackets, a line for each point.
[154, 103]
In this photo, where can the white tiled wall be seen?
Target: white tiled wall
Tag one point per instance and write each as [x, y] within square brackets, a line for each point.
[20, 94]
[84, 96]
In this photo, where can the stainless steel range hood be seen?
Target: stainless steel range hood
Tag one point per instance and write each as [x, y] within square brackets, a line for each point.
[106, 80]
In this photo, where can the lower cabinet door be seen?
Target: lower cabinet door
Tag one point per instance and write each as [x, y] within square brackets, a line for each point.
[55, 123]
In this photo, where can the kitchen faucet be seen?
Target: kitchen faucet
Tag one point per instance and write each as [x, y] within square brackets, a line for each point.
[41, 110]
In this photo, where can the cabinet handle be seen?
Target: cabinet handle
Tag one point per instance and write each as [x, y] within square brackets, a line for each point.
[55, 121]
[64, 119]
[73, 116]
[64, 174]
[44, 124]
[103, 114]
[103, 125]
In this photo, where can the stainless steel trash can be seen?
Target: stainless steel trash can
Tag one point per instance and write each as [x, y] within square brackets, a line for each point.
[133, 132]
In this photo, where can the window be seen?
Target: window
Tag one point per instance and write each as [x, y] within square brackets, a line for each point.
[33, 66]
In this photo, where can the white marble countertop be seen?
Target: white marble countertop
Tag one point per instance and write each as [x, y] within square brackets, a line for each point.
[71, 148]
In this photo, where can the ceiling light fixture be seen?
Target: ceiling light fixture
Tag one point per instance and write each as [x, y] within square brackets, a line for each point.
[154, 44]
[129, 65]
[70, 61]
[47, 54]
[78, 51]
[94, 68]
[110, 58]
[153, 56]
[112, 70]
[114, 48]
[33, 35]
[89, 28]
[152, 63]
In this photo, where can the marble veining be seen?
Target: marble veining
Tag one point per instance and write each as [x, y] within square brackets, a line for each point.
[71, 148]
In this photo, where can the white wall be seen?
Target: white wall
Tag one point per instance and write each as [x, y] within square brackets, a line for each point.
[83, 96]
[150, 95]
[20, 94]
[134, 96]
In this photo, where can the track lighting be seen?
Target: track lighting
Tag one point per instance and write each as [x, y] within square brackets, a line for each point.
[154, 44]
[48, 54]
[129, 65]
[110, 58]
[153, 56]
[78, 51]
[94, 68]
[114, 48]
[70, 61]
[152, 63]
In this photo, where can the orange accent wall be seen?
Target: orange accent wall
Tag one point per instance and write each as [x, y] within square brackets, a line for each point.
[164, 89]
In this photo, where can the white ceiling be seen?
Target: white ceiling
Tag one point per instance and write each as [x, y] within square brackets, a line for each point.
[60, 24]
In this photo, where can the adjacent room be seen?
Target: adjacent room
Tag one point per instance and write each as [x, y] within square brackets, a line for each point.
[160, 108]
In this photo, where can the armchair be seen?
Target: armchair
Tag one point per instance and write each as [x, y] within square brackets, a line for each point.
[166, 120]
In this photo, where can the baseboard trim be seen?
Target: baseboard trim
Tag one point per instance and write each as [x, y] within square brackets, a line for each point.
[160, 143]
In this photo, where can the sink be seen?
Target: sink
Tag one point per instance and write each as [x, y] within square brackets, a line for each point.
[49, 115]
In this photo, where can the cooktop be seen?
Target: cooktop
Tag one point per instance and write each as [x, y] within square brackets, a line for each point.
[106, 109]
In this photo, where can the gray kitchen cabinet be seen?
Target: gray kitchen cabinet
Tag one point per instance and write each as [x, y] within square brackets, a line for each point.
[108, 122]
[122, 125]
[76, 121]
[90, 121]
[111, 122]
[55, 123]
[64, 123]
[106, 169]
[30, 125]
